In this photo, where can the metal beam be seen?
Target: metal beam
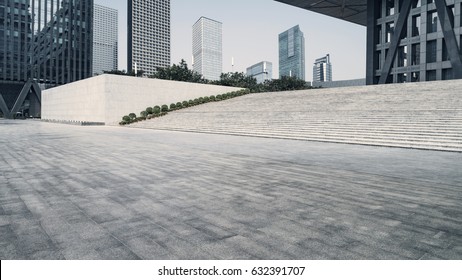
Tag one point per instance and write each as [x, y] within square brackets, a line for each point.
[450, 38]
[404, 11]
[24, 92]
[4, 108]
[371, 63]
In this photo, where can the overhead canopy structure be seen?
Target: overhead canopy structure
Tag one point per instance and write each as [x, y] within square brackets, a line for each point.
[354, 11]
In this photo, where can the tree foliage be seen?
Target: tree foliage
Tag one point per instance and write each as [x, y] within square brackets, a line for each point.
[285, 83]
[124, 73]
[179, 72]
[237, 79]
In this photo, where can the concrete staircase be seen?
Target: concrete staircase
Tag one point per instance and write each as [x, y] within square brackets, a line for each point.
[417, 115]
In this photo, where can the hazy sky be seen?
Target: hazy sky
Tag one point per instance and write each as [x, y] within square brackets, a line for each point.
[250, 34]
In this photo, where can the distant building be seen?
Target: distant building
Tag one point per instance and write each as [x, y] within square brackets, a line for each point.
[292, 53]
[148, 35]
[261, 71]
[105, 39]
[322, 70]
[43, 43]
[207, 48]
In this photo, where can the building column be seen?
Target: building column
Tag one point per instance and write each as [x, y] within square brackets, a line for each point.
[373, 11]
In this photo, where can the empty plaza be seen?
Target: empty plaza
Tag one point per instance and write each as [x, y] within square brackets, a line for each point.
[72, 192]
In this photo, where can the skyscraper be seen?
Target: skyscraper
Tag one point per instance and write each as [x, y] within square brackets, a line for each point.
[292, 53]
[322, 69]
[261, 71]
[105, 39]
[42, 42]
[207, 48]
[148, 35]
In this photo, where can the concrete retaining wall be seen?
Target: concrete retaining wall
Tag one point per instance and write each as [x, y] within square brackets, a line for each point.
[107, 98]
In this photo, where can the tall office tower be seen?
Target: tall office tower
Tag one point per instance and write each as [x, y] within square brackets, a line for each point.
[148, 35]
[261, 71]
[105, 39]
[42, 42]
[322, 69]
[207, 48]
[292, 53]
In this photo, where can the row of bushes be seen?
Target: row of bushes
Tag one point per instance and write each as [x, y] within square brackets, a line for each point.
[159, 111]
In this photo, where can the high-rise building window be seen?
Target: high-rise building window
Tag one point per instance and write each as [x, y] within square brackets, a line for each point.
[432, 22]
[390, 30]
[402, 78]
[378, 35]
[445, 56]
[402, 56]
[431, 75]
[390, 7]
[431, 51]
[447, 74]
[378, 59]
[415, 77]
[416, 22]
[415, 54]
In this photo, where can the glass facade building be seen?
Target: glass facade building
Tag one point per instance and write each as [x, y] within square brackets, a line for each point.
[48, 41]
[322, 70]
[148, 35]
[292, 53]
[261, 71]
[105, 39]
[207, 48]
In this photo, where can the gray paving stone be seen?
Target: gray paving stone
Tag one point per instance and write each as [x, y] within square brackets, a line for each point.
[116, 193]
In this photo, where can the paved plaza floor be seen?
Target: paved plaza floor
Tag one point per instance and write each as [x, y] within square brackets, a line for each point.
[70, 192]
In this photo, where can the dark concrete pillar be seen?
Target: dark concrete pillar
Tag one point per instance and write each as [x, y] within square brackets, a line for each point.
[373, 10]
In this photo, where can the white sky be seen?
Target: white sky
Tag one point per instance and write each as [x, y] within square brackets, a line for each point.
[250, 34]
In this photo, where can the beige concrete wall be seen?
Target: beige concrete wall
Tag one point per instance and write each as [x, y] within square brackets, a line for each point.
[82, 101]
[107, 98]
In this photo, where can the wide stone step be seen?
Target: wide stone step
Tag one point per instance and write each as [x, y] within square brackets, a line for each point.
[422, 115]
[440, 146]
[338, 134]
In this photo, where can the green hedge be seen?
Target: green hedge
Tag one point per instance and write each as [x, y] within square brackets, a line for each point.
[159, 111]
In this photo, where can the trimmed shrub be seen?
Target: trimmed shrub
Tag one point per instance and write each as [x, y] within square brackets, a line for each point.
[149, 110]
[191, 103]
[185, 104]
[201, 100]
[212, 98]
[143, 114]
[132, 116]
[126, 119]
[179, 105]
[172, 107]
[164, 108]
[156, 110]
[196, 101]
[219, 98]
[206, 99]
